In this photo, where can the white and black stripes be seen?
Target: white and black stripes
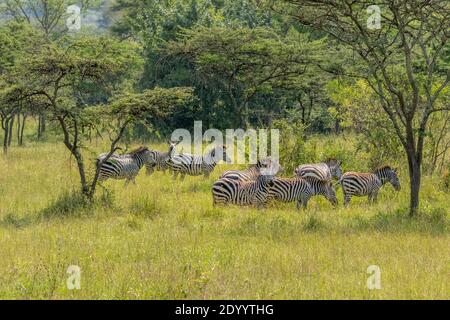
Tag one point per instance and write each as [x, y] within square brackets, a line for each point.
[123, 166]
[188, 164]
[301, 190]
[252, 172]
[368, 184]
[321, 171]
[230, 191]
[159, 161]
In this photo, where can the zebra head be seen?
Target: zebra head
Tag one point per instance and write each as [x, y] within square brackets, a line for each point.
[142, 155]
[172, 145]
[265, 181]
[217, 154]
[394, 180]
[330, 193]
[323, 187]
[269, 163]
[335, 167]
[388, 174]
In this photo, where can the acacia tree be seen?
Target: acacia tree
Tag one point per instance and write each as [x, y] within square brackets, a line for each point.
[70, 76]
[16, 39]
[9, 107]
[123, 111]
[47, 17]
[403, 61]
[243, 62]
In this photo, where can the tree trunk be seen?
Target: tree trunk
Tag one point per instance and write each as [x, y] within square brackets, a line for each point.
[22, 128]
[81, 171]
[43, 124]
[18, 128]
[337, 126]
[414, 177]
[39, 128]
[10, 133]
[5, 138]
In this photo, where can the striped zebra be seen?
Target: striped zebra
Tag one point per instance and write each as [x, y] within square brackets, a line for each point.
[159, 160]
[368, 184]
[253, 171]
[125, 166]
[230, 191]
[192, 165]
[301, 190]
[321, 171]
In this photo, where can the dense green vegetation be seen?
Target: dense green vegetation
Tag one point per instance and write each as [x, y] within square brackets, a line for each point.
[137, 70]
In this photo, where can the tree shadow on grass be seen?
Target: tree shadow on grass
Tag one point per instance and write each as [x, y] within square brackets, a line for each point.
[15, 221]
[67, 205]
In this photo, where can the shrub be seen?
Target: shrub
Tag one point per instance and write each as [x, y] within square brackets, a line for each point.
[68, 204]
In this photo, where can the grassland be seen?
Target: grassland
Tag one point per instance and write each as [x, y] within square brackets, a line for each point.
[165, 240]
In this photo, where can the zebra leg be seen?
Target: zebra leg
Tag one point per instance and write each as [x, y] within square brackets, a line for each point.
[375, 197]
[302, 204]
[150, 170]
[305, 204]
[347, 198]
[260, 205]
[174, 176]
[183, 176]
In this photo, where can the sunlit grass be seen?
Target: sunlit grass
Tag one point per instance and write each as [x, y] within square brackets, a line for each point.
[163, 239]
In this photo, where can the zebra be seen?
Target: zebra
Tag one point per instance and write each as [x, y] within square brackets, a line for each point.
[321, 171]
[301, 190]
[159, 160]
[230, 191]
[253, 171]
[368, 184]
[192, 165]
[123, 166]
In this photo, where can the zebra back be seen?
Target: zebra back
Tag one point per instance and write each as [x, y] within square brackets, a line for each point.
[160, 160]
[301, 189]
[196, 165]
[253, 171]
[256, 192]
[123, 166]
[321, 171]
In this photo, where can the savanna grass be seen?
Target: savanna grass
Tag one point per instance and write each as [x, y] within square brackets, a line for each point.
[163, 239]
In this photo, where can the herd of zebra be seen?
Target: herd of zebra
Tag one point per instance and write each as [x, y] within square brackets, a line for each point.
[257, 184]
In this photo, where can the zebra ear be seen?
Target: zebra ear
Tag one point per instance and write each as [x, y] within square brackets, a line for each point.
[339, 162]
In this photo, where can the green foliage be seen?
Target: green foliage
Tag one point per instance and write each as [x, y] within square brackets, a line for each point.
[293, 150]
[46, 16]
[244, 64]
[445, 181]
[360, 110]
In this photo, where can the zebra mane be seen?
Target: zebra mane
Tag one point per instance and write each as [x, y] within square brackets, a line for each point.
[383, 168]
[138, 150]
[332, 161]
